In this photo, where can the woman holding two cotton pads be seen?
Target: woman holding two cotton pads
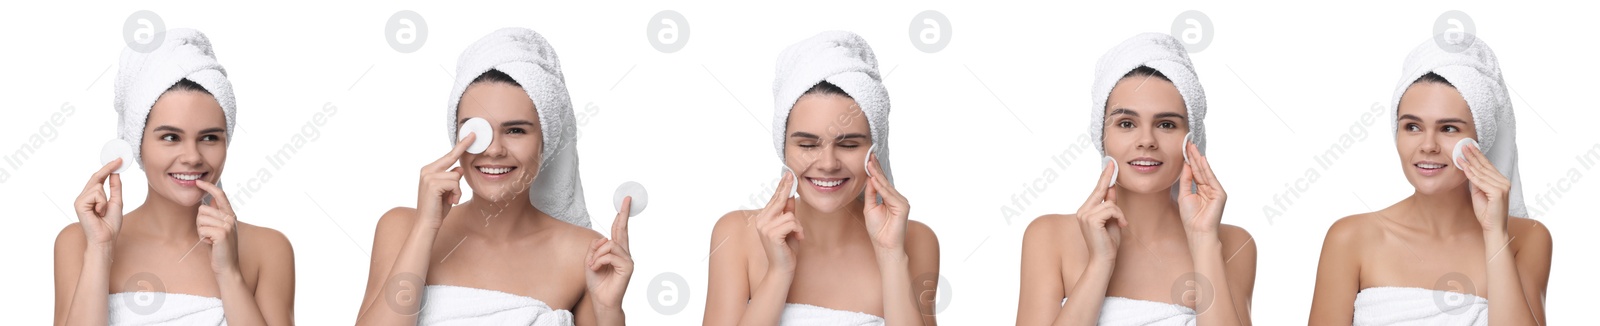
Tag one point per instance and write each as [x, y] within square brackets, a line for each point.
[520, 250]
[183, 256]
[1148, 246]
[843, 252]
[1459, 250]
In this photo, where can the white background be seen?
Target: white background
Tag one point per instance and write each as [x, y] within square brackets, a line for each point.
[974, 125]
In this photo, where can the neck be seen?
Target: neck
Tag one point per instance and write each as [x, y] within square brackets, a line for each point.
[830, 229]
[1442, 212]
[503, 218]
[1150, 215]
[164, 218]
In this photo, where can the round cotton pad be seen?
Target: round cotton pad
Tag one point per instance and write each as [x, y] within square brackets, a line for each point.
[794, 187]
[866, 163]
[480, 127]
[1115, 169]
[117, 148]
[1455, 155]
[635, 190]
[1185, 147]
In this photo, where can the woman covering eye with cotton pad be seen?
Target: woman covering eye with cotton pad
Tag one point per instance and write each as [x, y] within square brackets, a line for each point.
[519, 251]
[1152, 223]
[177, 258]
[1459, 250]
[843, 252]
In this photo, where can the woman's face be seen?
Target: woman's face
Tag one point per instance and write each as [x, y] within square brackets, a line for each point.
[1432, 118]
[826, 145]
[1144, 128]
[185, 139]
[511, 162]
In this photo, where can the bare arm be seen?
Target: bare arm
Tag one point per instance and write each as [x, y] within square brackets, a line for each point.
[1338, 276]
[83, 250]
[1042, 288]
[274, 290]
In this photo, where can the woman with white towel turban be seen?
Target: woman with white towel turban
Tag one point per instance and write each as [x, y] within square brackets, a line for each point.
[843, 252]
[1460, 250]
[181, 257]
[1148, 246]
[519, 251]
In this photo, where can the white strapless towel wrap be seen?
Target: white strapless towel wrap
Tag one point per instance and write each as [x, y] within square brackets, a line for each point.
[455, 305]
[160, 308]
[1125, 311]
[797, 314]
[1418, 306]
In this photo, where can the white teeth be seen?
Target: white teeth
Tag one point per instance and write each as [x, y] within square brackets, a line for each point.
[830, 184]
[495, 171]
[1430, 166]
[186, 177]
[1145, 163]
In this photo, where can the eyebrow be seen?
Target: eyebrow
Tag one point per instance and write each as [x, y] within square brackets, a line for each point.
[1158, 115]
[802, 134]
[1440, 121]
[502, 124]
[177, 130]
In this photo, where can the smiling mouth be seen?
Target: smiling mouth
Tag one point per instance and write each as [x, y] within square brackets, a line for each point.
[500, 170]
[827, 183]
[1429, 166]
[1144, 163]
[188, 176]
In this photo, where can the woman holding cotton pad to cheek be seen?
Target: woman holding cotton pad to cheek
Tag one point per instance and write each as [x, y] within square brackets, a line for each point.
[519, 250]
[844, 251]
[1152, 224]
[1459, 250]
[183, 256]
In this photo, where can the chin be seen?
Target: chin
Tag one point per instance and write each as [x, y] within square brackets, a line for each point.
[1147, 186]
[828, 203]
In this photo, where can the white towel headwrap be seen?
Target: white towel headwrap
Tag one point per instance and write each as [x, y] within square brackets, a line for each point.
[1475, 73]
[1163, 53]
[840, 58]
[143, 76]
[528, 58]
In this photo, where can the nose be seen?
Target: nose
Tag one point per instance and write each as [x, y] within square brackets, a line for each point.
[1145, 139]
[189, 154]
[1430, 144]
[496, 147]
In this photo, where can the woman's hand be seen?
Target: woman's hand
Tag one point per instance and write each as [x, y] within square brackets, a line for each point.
[778, 229]
[1200, 197]
[439, 186]
[98, 214]
[610, 263]
[1094, 217]
[886, 222]
[1490, 190]
[218, 226]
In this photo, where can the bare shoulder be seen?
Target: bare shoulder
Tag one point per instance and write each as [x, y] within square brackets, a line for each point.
[1059, 230]
[1354, 231]
[71, 239]
[1530, 234]
[260, 238]
[734, 223]
[1233, 236]
[921, 242]
[575, 237]
[398, 218]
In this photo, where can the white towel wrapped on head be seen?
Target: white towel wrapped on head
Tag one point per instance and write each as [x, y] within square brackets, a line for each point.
[1418, 306]
[1474, 71]
[161, 308]
[142, 77]
[530, 60]
[797, 314]
[455, 305]
[840, 58]
[1161, 52]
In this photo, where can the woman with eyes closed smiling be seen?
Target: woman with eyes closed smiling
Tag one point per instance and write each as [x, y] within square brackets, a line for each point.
[1153, 221]
[843, 252]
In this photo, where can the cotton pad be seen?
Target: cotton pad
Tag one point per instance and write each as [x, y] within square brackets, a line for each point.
[1115, 169]
[794, 187]
[1185, 147]
[114, 149]
[480, 127]
[866, 162]
[631, 189]
[1455, 155]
